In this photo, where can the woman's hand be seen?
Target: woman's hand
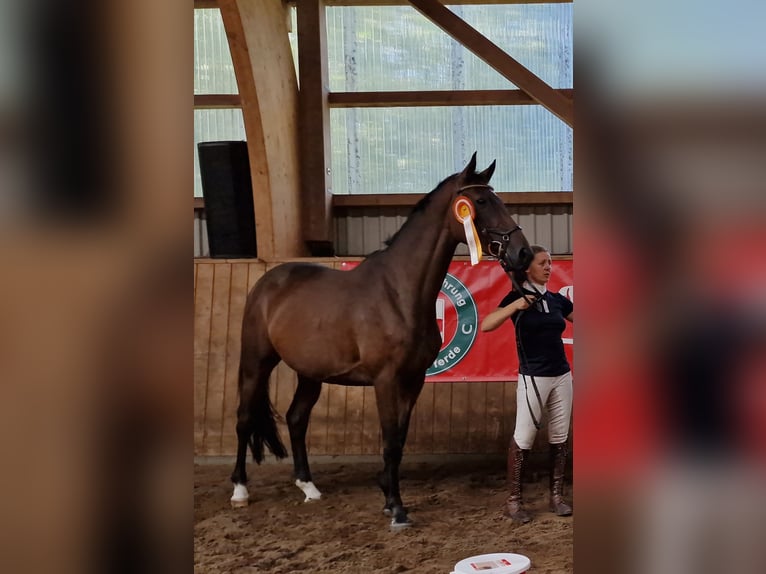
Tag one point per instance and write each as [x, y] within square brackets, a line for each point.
[521, 304]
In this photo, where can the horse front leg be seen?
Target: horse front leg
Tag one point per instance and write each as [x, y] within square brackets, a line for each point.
[394, 408]
[306, 396]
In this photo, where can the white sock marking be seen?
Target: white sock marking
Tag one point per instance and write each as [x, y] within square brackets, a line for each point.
[309, 490]
[240, 493]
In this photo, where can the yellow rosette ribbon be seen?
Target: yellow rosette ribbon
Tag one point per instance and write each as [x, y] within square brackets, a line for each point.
[464, 213]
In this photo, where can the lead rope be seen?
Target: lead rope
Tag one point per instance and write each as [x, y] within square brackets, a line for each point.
[531, 377]
[520, 346]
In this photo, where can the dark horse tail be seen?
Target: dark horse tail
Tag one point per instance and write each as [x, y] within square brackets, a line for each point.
[263, 427]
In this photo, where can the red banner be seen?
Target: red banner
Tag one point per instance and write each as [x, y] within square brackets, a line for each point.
[468, 295]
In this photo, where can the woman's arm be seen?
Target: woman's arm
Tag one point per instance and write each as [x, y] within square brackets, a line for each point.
[570, 317]
[502, 314]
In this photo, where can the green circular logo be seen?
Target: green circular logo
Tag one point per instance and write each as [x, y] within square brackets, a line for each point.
[458, 320]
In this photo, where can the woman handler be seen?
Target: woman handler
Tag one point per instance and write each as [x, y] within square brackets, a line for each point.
[545, 378]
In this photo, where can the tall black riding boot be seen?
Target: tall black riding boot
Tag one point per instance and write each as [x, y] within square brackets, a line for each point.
[558, 463]
[514, 508]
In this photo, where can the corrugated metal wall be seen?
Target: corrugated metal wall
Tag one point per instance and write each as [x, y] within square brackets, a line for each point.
[361, 230]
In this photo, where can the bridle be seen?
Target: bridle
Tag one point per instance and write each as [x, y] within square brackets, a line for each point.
[500, 238]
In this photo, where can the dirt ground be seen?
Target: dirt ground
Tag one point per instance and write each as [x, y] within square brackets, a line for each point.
[455, 507]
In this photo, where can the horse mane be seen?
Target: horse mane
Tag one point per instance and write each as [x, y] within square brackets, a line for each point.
[420, 206]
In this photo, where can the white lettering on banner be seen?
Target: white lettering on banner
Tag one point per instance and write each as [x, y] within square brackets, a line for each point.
[466, 329]
[453, 354]
[451, 289]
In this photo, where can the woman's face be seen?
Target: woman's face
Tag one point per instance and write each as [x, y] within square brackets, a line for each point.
[540, 269]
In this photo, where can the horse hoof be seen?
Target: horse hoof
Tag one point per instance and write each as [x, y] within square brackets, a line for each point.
[397, 526]
[241, 497]
[308, 488]
[387, 511]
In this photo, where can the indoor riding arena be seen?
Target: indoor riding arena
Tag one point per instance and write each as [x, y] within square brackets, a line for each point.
[320, 127]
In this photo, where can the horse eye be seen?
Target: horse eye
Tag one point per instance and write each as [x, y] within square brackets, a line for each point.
[481, 201]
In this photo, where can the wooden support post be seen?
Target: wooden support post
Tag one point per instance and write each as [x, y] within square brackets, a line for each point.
[268, 93]
[314, 130]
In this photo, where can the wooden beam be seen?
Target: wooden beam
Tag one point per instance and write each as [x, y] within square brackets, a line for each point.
[511, 69]
[216, 101]
[434, 98]
[269, 97]
[203, 4]
[447, 2]
[314, 126]
[410, 199]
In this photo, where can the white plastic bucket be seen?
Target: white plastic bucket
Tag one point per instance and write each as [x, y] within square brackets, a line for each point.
[501, 563]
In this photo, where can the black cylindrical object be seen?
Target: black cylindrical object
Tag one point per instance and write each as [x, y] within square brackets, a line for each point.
[228, 192]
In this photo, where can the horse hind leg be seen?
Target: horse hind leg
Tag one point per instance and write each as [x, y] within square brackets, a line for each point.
[306, 396]
[255, 421]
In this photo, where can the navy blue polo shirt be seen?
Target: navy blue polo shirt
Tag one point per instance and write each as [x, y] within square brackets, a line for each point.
[538, 334]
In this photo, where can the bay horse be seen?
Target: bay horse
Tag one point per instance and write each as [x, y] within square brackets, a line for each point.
[374, 325]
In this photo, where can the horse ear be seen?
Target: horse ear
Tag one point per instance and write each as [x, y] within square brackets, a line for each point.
[470, 169]
[486, 175]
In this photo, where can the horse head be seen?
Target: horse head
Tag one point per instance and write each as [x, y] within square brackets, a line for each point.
[498, 232]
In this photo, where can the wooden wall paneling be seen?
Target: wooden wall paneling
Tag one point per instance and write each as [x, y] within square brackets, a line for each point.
[316, 440]
[425, 420]
[203, 303]
[254, 272]
[459, 418]
[495, 417]
[442, 416]
[216, 370]
[284, 381]
[238, 294]
[477, 417]
[354, 429]
[336, 419]
[371, 434]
